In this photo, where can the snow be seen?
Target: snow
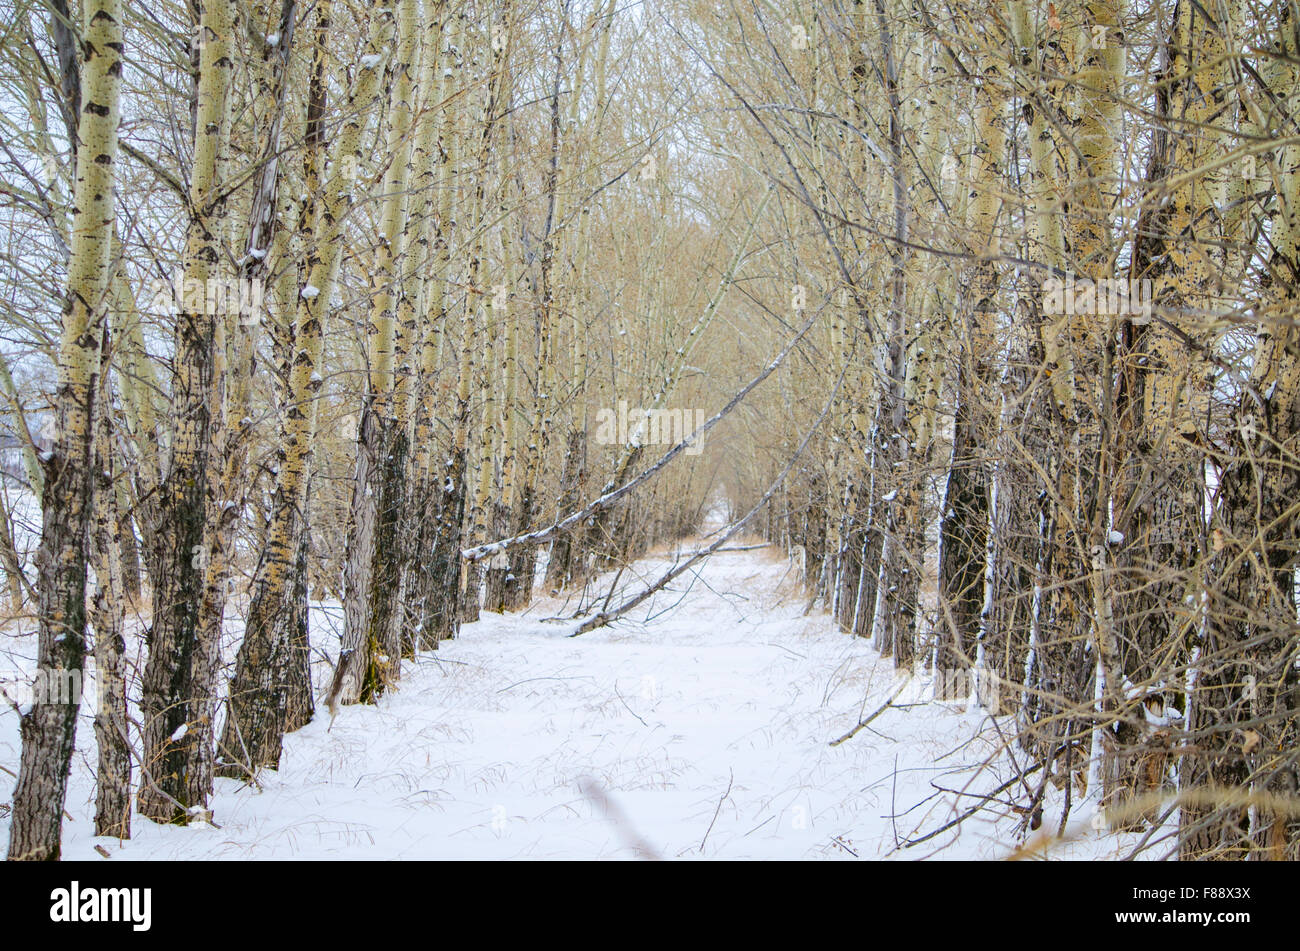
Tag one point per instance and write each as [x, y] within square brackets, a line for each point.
[310, 292]
[1115, 538]
[698, 727]
[1168, 717]
[371, 61]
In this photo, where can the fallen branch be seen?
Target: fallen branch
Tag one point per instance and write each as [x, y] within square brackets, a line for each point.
[971, 811]
[604, 617]
[862, 723]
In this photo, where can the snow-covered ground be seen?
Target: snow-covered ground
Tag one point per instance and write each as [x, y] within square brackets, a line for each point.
[699, 727]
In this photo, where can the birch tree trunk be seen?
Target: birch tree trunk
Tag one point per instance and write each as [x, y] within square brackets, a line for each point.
[436, 554]
[49, 729]
[482, 304]
[900, 571]
[113, 773]
[566, 556]
[370, 606]
[964, 525]
[439, 593]
[423, 286]
[272, 663]
[353, 664]
[177, 695]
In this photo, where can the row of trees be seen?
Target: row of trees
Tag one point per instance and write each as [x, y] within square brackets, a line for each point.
[1056, 250]
[344, 287]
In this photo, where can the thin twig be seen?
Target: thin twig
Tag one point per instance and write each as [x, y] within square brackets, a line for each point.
[730, 779]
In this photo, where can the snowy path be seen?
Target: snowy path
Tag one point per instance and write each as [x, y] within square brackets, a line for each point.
[706, 728]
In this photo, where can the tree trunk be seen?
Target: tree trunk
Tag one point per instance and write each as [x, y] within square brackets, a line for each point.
[113, 775]
[177, 700]
[49, 729]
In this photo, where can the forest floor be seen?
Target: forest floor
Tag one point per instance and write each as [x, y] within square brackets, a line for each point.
[698, 726]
